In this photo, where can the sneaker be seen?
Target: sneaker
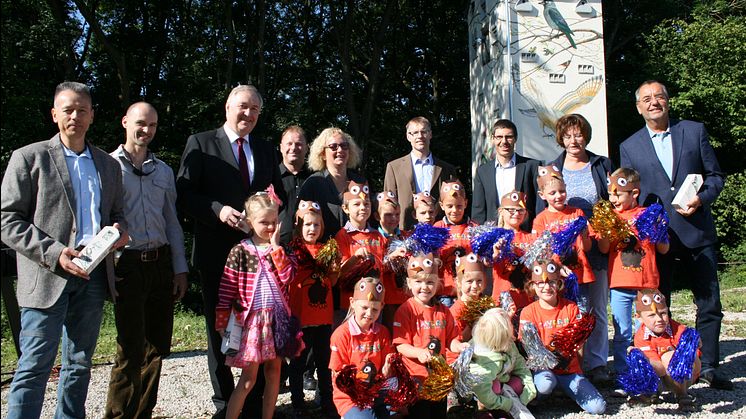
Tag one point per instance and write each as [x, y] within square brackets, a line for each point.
[619, 392]
[712, 378]
[599, 376]
[309, 383]
[452, 401]
[687, 403]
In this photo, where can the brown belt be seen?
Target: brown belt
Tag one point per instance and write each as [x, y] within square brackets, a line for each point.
[151, 255]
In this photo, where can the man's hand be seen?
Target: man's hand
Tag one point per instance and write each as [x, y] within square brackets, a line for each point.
[66, 263]
[692, 206]
[180, 286]
[124, 238]
[231, 217]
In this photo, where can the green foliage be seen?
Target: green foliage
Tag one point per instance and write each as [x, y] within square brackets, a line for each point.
[701, 59]
[729, 211]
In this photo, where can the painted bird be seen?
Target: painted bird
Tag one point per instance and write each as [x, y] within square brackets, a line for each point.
[556, 21]
[549, 114]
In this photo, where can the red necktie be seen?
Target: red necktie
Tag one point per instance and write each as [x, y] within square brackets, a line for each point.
[243, 166]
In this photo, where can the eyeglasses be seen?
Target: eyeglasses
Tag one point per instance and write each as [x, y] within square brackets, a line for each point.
[512, 211]
[658, 98]
[552, 283]
[421, 132]
[509, 138]
[336, 146]
[568, 137]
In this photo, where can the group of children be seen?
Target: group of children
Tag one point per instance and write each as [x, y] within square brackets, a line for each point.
[283, 298]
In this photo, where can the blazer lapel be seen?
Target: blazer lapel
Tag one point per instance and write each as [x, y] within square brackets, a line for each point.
[647, 149]
[490, 186]
[520, 172]
[224, 145]
[677, 142]
[58, 158]
[436, 173]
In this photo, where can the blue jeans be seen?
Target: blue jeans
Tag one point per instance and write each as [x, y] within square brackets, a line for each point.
[596, 296]
[622, 306]
[576, 386]
[76, 316]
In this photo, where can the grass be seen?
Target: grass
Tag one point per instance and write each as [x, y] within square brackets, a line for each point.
[188, 335]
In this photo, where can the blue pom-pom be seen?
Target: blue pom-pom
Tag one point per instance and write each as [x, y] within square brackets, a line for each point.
[563, 240]
[682, 361]
[430, 238]
[652, 224]
[483, 238]
[640, 377]
[571, 290]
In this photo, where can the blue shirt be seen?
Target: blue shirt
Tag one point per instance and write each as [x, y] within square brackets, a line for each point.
[423, 172]
[87, 190]
[663, 149]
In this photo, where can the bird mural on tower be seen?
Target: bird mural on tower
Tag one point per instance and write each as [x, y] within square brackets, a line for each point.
[548, 115]
[555, 20]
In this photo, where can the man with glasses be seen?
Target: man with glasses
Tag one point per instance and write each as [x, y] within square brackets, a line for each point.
[664, 152]
[416, 172]
[219, 170]
[152, 270]
[508, 171]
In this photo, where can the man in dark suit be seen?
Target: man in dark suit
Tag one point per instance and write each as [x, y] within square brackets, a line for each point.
[219, 170]
[56, 196]
[416, 172]
[509, 171]
[665, 151]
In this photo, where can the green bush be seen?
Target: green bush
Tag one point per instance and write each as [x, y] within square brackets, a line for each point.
[729, 211]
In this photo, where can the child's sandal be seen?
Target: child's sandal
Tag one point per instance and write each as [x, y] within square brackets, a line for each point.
[687, 403]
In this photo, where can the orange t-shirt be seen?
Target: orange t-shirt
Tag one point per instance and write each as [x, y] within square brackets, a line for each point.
[458, 238]
[456, 309]
[349, 242]
[414, 324]
[577, 260]
[351, 346]
[548, 322]
[654, 346]
[311, 294]
[633, 266]
[504, 269]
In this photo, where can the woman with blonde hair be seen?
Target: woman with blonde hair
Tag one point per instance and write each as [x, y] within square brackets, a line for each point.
[333, 155]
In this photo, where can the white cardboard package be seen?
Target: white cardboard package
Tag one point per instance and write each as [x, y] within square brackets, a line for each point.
[95, 251]
[688, 189]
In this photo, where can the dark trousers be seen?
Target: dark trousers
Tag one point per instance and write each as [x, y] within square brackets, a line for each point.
[428, 409]
[221, 376]
[698, 267]
[144, 315]
[316, 339]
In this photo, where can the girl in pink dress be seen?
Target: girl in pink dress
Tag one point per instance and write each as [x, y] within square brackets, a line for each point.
[253, 290]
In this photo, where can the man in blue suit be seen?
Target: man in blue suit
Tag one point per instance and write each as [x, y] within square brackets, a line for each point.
[665, 151]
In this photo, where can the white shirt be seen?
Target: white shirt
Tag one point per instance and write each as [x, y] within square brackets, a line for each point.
[232, 136]
[504, 177]
[423, 172]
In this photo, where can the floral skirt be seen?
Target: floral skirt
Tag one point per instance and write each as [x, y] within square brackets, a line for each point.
[268, 333]
[257, 341]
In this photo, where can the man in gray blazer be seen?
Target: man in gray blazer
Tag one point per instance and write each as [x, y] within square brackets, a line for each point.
[416, 172]
[56, 196]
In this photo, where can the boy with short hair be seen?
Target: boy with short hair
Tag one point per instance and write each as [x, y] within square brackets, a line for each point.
[632, 263]
[424, 209]
[657, 338]
[358, 242]
[453, 203]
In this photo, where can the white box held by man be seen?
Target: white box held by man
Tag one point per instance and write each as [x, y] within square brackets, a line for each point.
[95, 251]
[688, 190]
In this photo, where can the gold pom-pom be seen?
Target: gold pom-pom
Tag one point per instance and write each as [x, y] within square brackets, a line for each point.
[475, 308]
[327, 256]
[439, 381]
[607, 224]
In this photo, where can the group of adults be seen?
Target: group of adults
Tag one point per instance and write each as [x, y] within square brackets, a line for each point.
[58, 194]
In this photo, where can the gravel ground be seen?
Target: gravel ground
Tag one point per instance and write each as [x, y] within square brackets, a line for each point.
[185, 393]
